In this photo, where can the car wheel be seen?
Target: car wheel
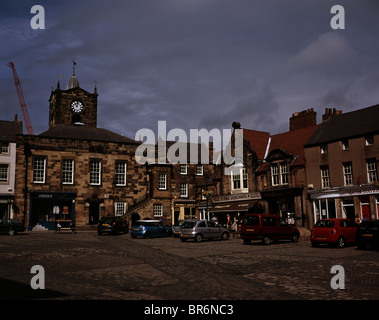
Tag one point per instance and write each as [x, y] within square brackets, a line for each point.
[225, 236]
[99, 233]
[295, 237]
[266, 240]
[340, 242]
[198, 237]
[11, 232]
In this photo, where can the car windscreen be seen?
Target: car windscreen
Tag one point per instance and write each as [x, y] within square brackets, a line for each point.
[324, 224]
[188, 224]
[251, 220]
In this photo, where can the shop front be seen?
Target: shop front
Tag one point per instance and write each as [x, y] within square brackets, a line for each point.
[183, 209]
[46, 208]
[357, 202]
[230, 208]
[286, 203]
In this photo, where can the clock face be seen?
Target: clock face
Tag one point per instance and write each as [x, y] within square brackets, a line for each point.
[77, 107]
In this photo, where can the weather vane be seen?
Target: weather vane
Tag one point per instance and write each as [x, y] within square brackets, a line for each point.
[73, 66]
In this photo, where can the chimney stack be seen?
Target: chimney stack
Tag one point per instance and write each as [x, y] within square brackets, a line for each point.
[303, 119]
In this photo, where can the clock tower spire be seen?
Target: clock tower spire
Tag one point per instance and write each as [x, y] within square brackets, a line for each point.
[73, 106]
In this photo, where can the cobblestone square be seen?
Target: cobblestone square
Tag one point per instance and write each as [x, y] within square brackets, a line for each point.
[85, 266]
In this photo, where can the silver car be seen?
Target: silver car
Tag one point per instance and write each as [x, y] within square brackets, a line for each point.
[202, 229]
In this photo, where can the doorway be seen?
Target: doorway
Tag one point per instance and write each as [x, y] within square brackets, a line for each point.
[94, 210]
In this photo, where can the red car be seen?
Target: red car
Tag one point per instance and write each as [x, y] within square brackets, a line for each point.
[334, 231]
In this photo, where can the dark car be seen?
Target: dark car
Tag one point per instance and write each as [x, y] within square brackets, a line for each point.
[334, 231]
[150, 229]
[11, 226]
[112, 225]
[368, 234]
[267, 227]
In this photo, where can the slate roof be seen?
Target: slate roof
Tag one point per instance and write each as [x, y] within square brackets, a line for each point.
[86, 133]
[347, 125]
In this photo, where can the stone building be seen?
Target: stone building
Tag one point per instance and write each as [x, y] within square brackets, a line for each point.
[173, 188]
[342, 165]
[8, 132]
[74, 170]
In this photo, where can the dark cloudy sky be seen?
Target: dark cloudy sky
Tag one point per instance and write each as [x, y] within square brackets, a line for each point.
[193, 63]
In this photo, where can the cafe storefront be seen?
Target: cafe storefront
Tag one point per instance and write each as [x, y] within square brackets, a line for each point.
[47, 207]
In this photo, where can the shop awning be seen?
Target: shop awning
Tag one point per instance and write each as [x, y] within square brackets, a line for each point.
[233, 206]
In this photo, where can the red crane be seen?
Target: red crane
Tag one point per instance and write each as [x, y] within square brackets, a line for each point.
[21, 98]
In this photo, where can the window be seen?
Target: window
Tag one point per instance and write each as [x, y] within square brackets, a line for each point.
[184, 190]
[183, 169]
[95, 173]
[67, 171]
[369, 140]
[120, 208]
[239, 179]
[325, 181]
[236, 180]
[39, 167]
[345, 144]
[158, 210]
[4, 147]
[199, 170]
[372, 174]
[348, 174]
[162, 184]
[324, 148]
[120, 174]
[4, 172]
[275, 174]
[284, 173]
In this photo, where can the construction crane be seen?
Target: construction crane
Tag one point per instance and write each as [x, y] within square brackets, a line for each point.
[21, 98]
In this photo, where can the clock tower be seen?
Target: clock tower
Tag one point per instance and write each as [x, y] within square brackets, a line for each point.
[73, 106]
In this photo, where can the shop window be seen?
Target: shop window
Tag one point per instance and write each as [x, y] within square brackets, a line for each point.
[348, 208]
[324, 209]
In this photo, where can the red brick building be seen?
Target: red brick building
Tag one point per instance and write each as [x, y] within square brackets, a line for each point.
[342, 165]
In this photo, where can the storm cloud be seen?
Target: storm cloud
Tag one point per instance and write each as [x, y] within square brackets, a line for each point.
[193, 63]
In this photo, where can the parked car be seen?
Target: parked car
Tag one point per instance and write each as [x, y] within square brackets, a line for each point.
[334, 231]
[149, 229]
[176, 228]
[202, 229]
[267, 227]
[368, 234]
[11, 226]
[112, 225]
